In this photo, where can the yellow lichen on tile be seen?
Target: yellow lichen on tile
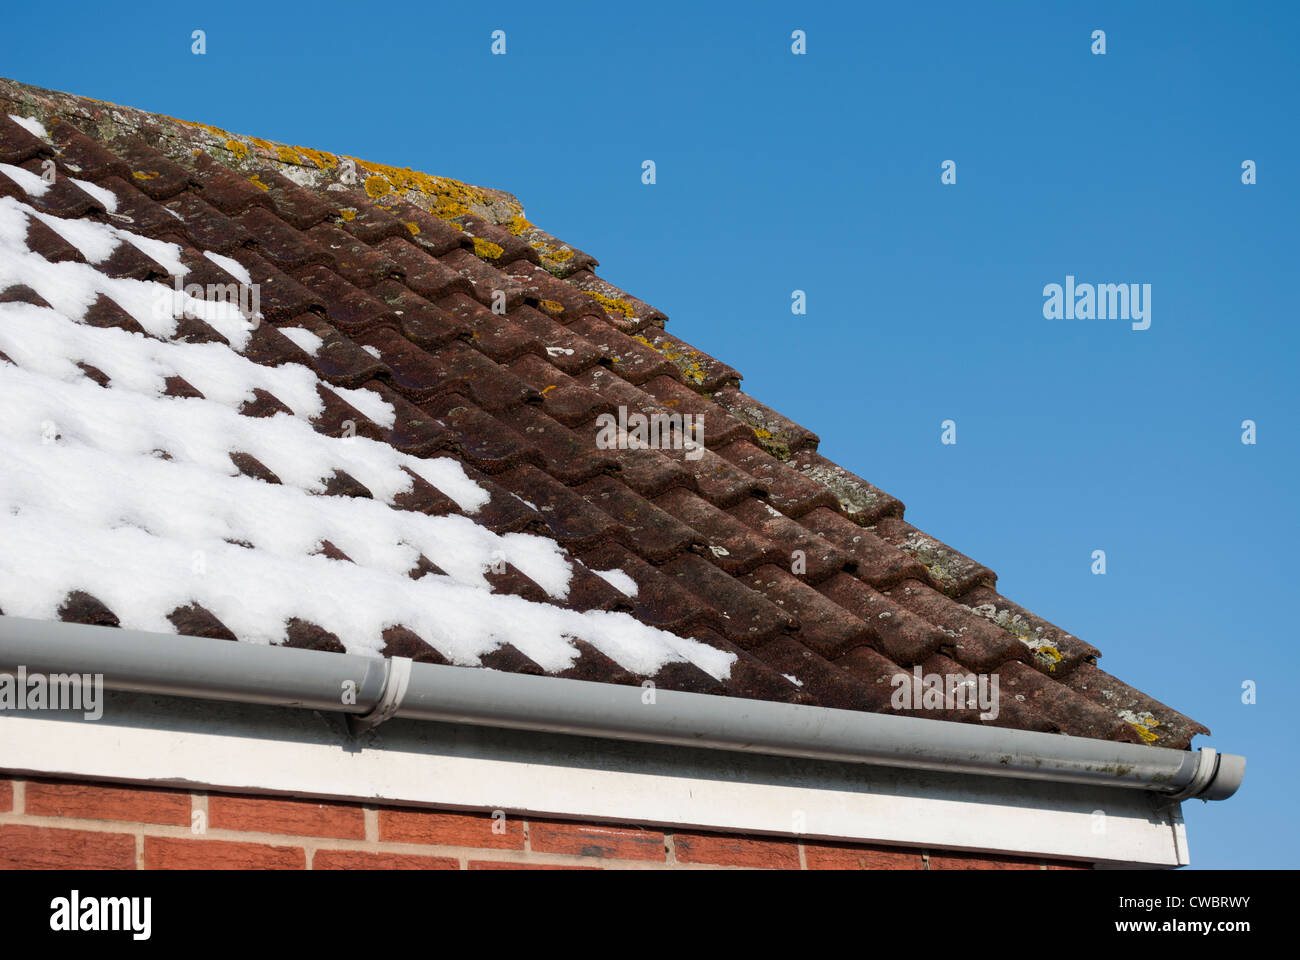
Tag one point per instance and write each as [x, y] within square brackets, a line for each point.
[215, 131]
[449, 209]
[377, 186]
[412, 226]
[487, 249]
[686, 362]
[237, 148]
[1049, 655]
[1148, 735]
[256, 180]
[322, 159]
[615, 304]
[548, 252]
[553, 307]
[1144, 723]
[448, 198]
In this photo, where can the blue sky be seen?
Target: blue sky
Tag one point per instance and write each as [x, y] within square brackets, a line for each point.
[821, 172]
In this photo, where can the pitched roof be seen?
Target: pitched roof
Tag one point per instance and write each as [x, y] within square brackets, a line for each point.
[401, 457]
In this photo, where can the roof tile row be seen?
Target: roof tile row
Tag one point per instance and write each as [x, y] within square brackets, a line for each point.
[497, 345]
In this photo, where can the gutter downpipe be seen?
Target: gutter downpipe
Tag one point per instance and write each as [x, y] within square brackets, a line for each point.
[370, 690]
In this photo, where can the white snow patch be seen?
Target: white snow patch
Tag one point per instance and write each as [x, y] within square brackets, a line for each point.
[95, 241]
[167, 254]
[31, 125]
[619, 580]
[131, 495]
[305, 339]
[70, 288]
[231, 266]
[32, 185]
[377, 409]
[373, 351]
[793, 679]
[107, 197]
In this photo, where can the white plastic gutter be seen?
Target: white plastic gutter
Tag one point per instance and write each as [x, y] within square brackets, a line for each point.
[372, 689]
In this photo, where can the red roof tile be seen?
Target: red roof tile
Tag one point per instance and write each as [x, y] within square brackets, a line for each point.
[496, 344]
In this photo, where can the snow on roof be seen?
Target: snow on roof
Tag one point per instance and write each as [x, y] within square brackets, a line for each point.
[31, 125]
[410, 266]
[130, 494]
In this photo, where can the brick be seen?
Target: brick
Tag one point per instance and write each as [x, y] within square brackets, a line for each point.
[733, 851]
[826, 856]
[168, 853]
[362, 860]
[592, 840]
[975, 861]
[100, 801]
[6, 796]
[449, 829]
[304, 818]
[50, 848]
[513, 865]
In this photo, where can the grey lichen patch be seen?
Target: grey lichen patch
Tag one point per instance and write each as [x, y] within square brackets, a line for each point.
[948, 568]
[309, 178]
[769, 433]
[857, 499]
[1043, 645]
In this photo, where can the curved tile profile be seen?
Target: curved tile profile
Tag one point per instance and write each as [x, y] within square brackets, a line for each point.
[428, 318]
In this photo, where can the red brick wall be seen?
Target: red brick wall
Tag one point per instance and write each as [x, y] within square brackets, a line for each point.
[78, 824]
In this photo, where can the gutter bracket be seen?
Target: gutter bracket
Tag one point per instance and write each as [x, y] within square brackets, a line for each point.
[397, 677]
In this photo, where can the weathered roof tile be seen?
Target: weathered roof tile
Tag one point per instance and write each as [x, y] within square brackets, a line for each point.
[477, 336]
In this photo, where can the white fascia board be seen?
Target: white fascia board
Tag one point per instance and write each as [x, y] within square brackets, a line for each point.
[260, 749]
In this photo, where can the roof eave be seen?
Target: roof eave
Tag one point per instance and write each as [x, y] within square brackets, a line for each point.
[370, 690]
